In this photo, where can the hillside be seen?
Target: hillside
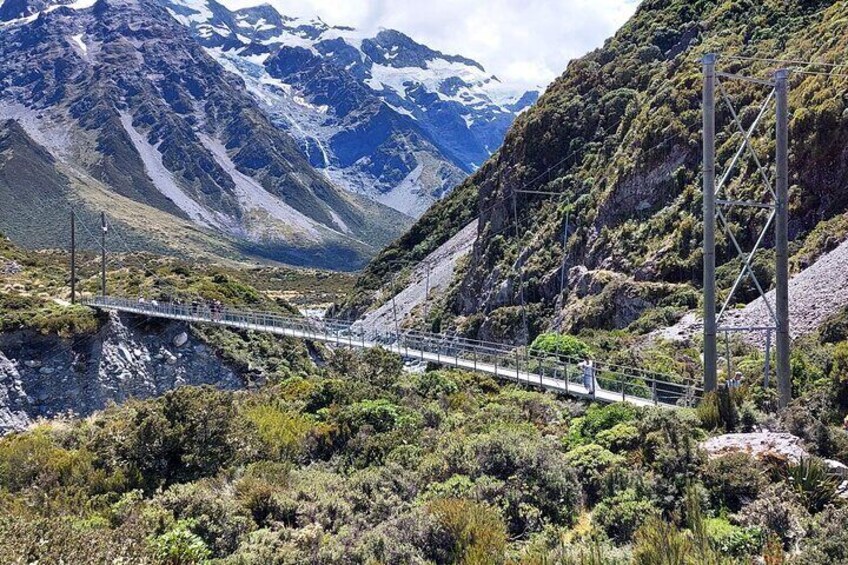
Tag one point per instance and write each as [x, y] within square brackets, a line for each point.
[58, 359]
[115, 96]
[617, 140]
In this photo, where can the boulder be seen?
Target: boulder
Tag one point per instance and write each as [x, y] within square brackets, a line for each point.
[837, 468]
[760, 445]
[180, 339]
[170, 358]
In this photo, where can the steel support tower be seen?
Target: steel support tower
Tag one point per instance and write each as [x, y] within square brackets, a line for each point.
[775, 200]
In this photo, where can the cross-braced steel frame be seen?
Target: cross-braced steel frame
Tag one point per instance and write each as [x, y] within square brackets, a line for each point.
[717, 201]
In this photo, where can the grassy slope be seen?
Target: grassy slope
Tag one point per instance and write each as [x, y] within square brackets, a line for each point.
[36, 295]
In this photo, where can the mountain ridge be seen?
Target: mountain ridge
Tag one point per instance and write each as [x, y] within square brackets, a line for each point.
[121, 93]
[384, 116]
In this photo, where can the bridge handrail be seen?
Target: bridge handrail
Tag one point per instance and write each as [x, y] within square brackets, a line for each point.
[535, 362]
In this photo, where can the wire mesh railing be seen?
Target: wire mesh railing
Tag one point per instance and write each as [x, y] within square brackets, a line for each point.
[602, 380]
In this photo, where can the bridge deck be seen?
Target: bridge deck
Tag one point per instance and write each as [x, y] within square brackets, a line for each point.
[545, 373]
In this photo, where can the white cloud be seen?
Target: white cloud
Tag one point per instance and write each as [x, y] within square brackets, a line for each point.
[527, 42]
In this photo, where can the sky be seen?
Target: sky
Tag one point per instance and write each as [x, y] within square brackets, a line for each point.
[524, 42]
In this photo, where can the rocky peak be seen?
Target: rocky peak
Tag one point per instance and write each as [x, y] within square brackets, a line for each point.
[384, 116]
[395, 49]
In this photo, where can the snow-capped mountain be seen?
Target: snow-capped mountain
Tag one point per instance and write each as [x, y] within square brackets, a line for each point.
[111, 104]
[382, 116]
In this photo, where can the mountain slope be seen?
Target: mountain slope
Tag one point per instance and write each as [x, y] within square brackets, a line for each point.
[617, 139]
[383, 116]
[119, 92]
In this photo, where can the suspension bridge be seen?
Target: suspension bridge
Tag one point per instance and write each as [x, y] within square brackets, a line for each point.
[608, 382]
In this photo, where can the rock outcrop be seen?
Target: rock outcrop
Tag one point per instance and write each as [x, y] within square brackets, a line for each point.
[44, 377]
[14, 403]
[760, 445]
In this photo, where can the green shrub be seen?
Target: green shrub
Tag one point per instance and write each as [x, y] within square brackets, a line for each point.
[188, 433]
[620, 438]
[548, 490]
[813, 481]
[748, 416]
[839, 371]
[708, 411]
[597, 419]
[209, 510]
[827, 538]
[717, 410]
[179, 546]
[733, 481]
[733, 540]
[35, 460]
[282, 432]
[778, 510]
[468, 532]
[436, 384]
[592, 463]
[622, 514]
[562, 344]
[669, 449]
[660, 543]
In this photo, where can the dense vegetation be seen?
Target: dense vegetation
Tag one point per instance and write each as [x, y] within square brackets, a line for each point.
[361, 462]
[618, 137]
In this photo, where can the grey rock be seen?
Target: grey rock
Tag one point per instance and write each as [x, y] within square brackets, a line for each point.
[13, 399]
[10, 268]
[180, 339]
[760, 444]
[837, 468]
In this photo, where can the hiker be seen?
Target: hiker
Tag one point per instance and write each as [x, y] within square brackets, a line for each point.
[587, 367]
[736, 381]
[732, 382]
[845, 424]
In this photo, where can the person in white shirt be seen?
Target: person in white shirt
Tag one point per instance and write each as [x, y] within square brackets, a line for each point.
[587, 367]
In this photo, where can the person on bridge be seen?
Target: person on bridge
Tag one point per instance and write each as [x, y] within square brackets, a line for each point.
[587, 366]
[735, 381]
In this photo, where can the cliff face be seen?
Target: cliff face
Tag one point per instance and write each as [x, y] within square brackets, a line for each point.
[45, 376]
[616, 139]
